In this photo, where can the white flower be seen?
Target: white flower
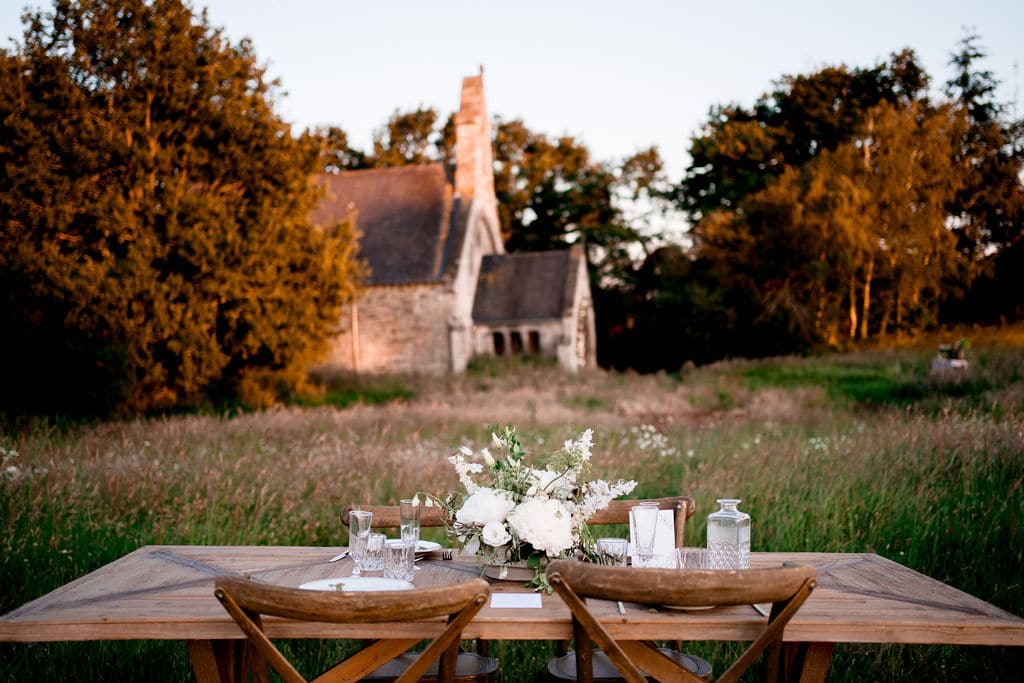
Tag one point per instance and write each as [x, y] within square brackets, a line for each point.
[488, 458]
[485, 505]
[428, 502]
[495, 534]
[544, 523]
[464, 470]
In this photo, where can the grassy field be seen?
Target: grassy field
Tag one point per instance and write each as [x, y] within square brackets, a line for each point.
[859, 452]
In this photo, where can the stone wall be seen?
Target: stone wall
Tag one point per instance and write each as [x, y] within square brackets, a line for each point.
[402, 329]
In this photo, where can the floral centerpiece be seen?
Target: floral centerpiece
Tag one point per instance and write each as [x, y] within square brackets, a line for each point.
[518, 514]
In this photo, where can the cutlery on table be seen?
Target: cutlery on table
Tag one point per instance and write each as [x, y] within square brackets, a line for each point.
[760, 610]
[340, 556]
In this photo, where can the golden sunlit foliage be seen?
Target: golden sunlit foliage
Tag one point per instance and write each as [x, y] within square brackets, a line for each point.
[156, 247]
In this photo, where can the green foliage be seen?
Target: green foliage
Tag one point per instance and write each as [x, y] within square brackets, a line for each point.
[156, 249]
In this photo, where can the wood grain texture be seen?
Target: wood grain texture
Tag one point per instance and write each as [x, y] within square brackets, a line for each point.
[166, 592]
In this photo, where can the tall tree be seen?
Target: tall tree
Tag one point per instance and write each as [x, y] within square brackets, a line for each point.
[739, 151]
[988, 210]
[407, 138]
[155, 238]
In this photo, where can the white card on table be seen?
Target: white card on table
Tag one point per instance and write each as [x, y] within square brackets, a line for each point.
[515, 600]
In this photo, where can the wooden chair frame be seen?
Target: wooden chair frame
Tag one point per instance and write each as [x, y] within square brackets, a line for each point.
[247, 600]
[617, 512]
[785, 587]
[387, 516]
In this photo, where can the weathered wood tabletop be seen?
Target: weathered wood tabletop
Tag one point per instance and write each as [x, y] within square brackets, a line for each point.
[166, 592]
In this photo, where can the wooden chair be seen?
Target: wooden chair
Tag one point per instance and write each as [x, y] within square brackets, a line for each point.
[785, 587]
[387, 516]
[617, 512]
[247, 600]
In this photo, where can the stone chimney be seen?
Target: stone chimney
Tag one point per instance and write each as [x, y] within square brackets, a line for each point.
[474, 160]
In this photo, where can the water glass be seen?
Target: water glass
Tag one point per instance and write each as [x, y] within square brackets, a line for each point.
[644, 520]
[409, 519]
[693, 558]
[612, 551]
[358, 534]
[373, 559]
[399, 559]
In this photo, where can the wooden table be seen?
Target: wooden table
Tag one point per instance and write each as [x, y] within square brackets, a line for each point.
[166, 592]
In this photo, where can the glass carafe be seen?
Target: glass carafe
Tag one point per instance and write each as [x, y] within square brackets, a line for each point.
[729, 536]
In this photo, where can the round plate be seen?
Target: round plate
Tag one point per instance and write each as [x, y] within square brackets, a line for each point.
[427, 546]
[357, 583]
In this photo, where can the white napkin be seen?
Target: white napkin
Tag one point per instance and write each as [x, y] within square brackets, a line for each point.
[664, 540]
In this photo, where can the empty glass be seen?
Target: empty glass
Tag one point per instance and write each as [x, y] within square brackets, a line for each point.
[693, 558]
[358, 534]
[373, 558]
[611, 551]
[399, 559]
[644, 522]
[409, 519]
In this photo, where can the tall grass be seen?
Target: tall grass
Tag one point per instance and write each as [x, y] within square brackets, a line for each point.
[933, 482]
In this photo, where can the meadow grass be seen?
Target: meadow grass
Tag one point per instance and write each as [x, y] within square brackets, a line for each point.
[928, 475]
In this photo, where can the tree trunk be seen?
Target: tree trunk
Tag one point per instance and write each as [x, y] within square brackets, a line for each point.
[866, 303]
[853, 306]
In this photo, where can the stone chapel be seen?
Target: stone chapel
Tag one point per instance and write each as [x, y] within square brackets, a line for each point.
[441, 288]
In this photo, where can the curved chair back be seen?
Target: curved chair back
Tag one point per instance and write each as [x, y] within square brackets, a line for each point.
[246, 601]
[785, 587]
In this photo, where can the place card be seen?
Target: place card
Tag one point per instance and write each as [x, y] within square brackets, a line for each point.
[515, 600]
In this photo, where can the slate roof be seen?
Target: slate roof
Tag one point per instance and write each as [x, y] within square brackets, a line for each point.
[525, 286]
[405, 217]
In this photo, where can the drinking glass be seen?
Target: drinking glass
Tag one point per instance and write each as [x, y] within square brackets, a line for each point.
[611, 551]
[409, 519]
[373, 558]
[399, 559]
[644, 520]
[358, 534]
[693, 558]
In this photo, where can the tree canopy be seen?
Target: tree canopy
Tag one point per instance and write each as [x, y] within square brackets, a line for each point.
[156, 246]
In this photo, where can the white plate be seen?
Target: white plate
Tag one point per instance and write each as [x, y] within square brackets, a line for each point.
[357, 583]
[427, 546]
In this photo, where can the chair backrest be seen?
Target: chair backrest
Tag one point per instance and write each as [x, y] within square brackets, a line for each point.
[785, 587]
[247, 600]
[387, 516]
[617, 512]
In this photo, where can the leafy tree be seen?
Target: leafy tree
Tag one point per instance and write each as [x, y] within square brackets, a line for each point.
[407, 138]
[155, 233]
[739, 151]
[856, 224]
[988, 210]
[335, 154]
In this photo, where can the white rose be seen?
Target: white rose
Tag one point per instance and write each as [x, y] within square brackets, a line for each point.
[495, 534]
[485, 505]
[544, 523]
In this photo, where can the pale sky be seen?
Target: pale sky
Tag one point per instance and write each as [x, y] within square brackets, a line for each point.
[620, 76]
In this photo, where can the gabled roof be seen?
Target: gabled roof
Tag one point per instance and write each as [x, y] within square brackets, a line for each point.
[404, 216]
[526, 286]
